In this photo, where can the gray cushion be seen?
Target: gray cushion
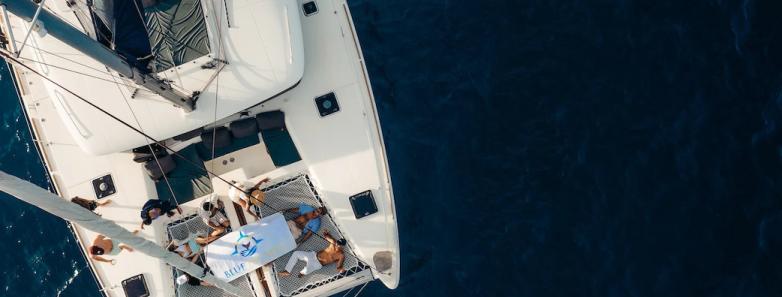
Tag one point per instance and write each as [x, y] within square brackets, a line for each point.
[156, 171]
[189, 135]
[271, 120]
[244, 127]
[221, 137]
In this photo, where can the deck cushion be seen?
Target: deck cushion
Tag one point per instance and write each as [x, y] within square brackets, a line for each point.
[280, 147]
[220, 136]
[271, 120]
[189, 135]
[244, 127]
[187, 181]
[156, 171]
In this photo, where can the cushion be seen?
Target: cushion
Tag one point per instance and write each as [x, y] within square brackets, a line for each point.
[144, 153]
[220, 136]
[280, 147]
[189, 135]
[156, 171]
[244, 127]
[271, 120]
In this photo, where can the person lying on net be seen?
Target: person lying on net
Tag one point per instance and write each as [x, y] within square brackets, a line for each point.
[191, 247]
[214, 216]
[314, 261]
[307, 222]
[238, 194]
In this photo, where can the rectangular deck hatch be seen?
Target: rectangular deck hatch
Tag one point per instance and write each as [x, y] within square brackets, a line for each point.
[135, 286]
[363, 204]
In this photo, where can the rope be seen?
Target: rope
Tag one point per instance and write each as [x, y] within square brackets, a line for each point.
[360, 290]
[174, 153]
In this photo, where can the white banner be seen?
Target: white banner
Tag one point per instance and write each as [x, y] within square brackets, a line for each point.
[252, 246]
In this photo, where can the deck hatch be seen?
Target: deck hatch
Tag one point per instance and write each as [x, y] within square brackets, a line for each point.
[135, 286]
[103, 186]
[327, 104]
[310, 8]
[363, 204]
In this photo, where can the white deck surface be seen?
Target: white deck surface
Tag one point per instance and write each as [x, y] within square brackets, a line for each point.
[342, 153]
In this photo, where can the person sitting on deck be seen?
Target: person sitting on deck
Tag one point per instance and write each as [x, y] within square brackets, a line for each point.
[238, 194]
[103, 245]
[214, 216]
[153, 208]
[332, 253]
[190, 248]
[90, 205]
[306, 223]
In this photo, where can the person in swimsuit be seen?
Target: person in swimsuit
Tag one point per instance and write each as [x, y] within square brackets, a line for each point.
[214, 216]
[238, 194]
[306, 223]
[104, 246]
[154, 208]
[314, 261]
[190, 248]
[90, 205]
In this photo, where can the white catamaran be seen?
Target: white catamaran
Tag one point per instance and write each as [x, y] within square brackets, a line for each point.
[230, 142]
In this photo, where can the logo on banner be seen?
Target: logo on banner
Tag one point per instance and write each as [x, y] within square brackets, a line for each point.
[246, 245]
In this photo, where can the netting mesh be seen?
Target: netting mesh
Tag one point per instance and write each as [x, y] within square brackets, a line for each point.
[289, 194]
[194, 225]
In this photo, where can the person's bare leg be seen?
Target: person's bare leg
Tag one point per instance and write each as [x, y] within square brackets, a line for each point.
[104, 202]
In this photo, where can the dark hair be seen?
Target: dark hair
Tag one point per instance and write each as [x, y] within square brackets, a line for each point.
[96, 250]
[172, 247]
[207, 206]
[88, 204]
[342, 242]
[322, 209]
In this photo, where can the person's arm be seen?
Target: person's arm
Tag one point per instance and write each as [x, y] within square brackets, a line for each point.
[104, 202]
[142, 225]
[260, 182]
[305, 237]
[178, 209]
[246, 207]
[340, 262]
[328, 238]
[100, 259]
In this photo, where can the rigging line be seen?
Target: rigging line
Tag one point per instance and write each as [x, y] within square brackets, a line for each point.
[84, 74]
[362, 289]
[348, 292]
[5, 54]
[157, 161]
[175, 153]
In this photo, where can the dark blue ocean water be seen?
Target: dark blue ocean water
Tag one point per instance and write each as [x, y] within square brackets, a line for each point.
[542, 148]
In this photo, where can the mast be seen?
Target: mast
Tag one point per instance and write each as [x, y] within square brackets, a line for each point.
[66, 33]
[73, 213]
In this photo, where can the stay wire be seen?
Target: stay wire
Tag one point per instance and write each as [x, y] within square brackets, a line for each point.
[5, 54]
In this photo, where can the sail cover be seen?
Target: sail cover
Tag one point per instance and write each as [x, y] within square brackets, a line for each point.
[119, 25]
[157, 34]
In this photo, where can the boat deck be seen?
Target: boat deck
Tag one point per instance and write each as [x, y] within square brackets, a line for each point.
[342, 154]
